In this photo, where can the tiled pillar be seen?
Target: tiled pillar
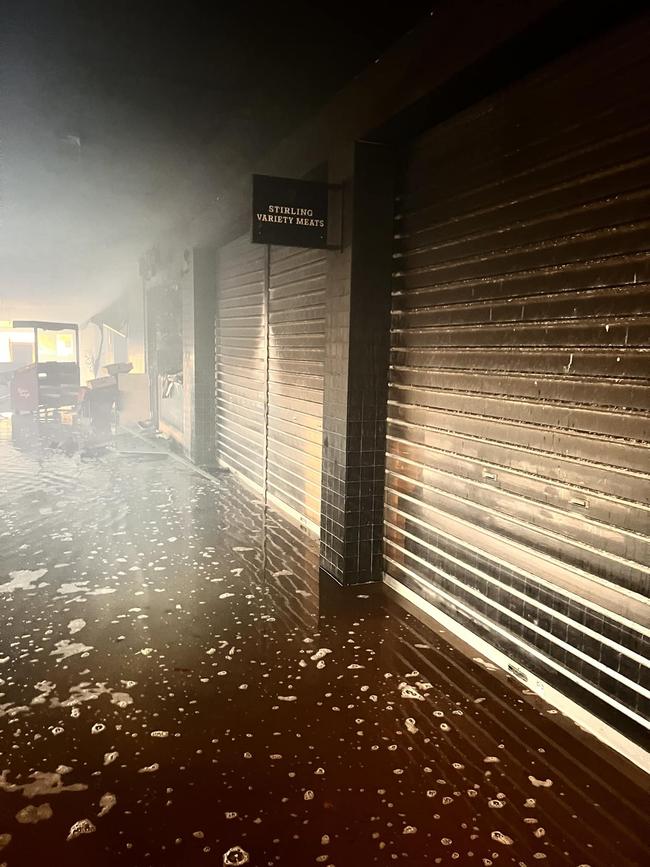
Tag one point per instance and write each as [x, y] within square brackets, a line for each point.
[357, 329]
[199, 305]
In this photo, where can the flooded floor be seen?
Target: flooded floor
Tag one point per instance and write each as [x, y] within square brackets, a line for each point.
[177, 688]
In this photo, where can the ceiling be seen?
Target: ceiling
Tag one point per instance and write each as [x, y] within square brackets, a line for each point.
[119, 119]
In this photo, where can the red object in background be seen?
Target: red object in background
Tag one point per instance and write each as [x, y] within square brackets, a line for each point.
[24, 389]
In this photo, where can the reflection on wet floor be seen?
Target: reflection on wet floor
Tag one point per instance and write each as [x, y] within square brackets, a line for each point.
[177, 688]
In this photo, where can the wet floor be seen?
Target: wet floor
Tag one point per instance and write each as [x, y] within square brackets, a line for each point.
[177, 688]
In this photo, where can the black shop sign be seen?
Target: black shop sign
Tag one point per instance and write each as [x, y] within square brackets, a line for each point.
[289, 213]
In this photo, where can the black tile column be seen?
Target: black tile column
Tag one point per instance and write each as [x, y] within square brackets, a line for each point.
[357, 330]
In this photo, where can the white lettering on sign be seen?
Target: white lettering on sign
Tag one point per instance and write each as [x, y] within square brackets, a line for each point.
[292, 212]
[288, 215]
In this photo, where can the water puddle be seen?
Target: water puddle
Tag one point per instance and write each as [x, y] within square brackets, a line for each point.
[106, 803]
[83, 826]
[31, 815]
[43, 784]
[67, 648]
[23, 579]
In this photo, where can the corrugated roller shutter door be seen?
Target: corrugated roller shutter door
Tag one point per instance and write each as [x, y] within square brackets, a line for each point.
[517, 471]
[241, 358]
[296, 359]
[279, 445]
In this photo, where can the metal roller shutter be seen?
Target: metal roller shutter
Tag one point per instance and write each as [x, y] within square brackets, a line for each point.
[517, 496]
[241, 359]
[269, 371]
[296, 358]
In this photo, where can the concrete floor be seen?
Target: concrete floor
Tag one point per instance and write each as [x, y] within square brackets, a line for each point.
[169, 659]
